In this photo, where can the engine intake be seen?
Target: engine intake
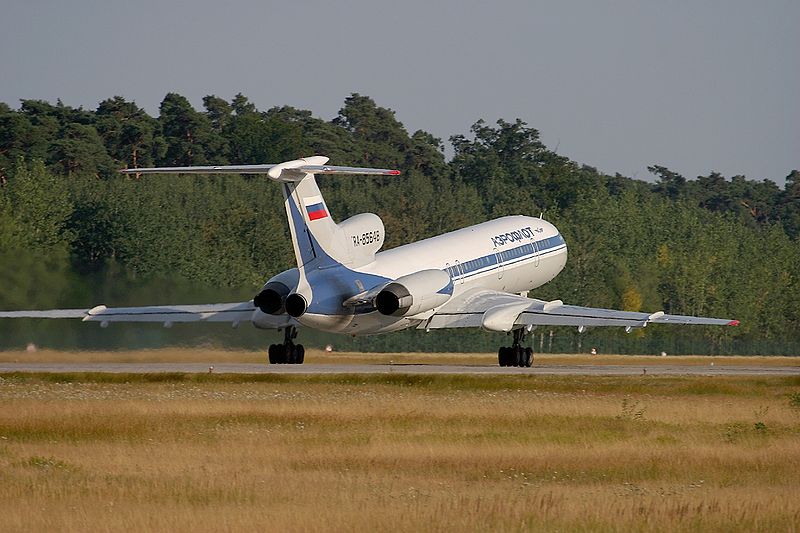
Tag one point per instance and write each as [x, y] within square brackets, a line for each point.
[415, 293]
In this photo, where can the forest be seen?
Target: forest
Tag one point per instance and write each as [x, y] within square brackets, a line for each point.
[75, 233]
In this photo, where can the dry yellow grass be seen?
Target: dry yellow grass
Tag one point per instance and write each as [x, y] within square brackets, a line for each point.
[210, 355]
[400, 453]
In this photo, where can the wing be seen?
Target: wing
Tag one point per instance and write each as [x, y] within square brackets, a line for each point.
[502, 311]
[234, 313]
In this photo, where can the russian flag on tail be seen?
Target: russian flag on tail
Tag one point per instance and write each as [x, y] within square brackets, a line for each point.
[315, 207]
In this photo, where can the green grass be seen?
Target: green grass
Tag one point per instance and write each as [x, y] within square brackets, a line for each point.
[654, 384]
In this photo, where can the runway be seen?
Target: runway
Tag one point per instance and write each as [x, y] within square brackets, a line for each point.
[327, 369]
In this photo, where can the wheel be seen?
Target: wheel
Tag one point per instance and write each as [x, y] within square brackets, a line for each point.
[506, 356]
[528, 357]
[280, 354]
[501, 356]
[516, 356]
[271, 352]
[301, 354]
[291, 354]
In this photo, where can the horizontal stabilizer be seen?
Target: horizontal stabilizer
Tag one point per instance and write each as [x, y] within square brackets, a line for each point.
[288, 171]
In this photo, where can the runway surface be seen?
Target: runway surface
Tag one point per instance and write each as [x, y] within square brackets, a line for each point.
[315, 369]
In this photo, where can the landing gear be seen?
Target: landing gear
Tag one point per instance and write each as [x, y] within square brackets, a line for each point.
[288, 352]
[516, 354]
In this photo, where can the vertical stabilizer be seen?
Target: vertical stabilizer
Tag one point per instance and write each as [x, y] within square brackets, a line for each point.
[315, 236]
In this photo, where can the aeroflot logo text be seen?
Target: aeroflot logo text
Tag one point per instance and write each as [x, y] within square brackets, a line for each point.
[512, 236]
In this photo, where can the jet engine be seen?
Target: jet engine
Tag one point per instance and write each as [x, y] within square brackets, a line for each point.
[415, 293]
[272, 298]
[296, 305]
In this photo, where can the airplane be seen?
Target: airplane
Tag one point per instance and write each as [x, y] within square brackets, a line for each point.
[474, 277]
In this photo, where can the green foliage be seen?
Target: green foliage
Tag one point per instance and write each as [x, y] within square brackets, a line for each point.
[631, 410]
[34, 237]
[73, 230]
[794, 400]
[188, 134]
[39, 205]
[129, 133]
[45, 463]
[250, 136]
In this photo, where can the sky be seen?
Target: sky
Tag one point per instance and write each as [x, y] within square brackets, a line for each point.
[619, 85]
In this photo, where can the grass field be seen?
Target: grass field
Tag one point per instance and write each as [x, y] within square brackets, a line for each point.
[398, 452]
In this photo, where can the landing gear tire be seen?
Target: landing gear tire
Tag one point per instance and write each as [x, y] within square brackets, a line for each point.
[273, 359]
[528, 357]
[505, 356]
[288, 352]
[516, 354]
[280, 354]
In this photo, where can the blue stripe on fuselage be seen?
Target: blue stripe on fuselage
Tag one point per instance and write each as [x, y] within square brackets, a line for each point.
[491, 262]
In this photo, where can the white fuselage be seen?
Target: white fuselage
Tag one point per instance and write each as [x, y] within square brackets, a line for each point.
[458, 250]
[511, 254]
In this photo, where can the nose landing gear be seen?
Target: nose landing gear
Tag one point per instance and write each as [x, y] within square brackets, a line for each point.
[516, 354]
[288, 352]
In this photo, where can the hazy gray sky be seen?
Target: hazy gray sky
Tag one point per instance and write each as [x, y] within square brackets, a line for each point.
[695, 86]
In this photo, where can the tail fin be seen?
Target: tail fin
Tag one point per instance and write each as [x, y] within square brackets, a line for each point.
[314, 233]
[316, 238]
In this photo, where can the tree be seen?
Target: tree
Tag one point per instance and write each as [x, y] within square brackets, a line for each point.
[34, 237]
[219, 112]
[188, 134]
[130, 135]
[80, 150]
[257, 138]
[789, 204]
[40, 206]
[381, 139]
[503, 163]
[670, 184]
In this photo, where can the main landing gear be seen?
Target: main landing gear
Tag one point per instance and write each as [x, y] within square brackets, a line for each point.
[288, 352]
[516, 354]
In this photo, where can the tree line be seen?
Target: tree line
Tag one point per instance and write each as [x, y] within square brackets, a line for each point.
[73, 232]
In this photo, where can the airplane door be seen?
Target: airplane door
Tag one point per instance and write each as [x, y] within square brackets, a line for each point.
[499, 264]
[460, 272]
[536, 253]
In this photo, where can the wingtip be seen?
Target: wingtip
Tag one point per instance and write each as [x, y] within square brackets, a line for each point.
[393, 173]
[733, 323]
